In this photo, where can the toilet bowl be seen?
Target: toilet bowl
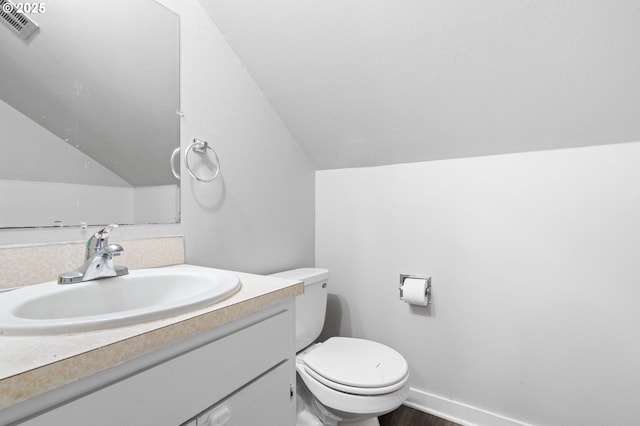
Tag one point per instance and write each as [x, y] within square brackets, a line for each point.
[343, 381]
[355, 380]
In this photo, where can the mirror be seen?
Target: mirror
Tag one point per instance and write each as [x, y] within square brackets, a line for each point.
[89, 115]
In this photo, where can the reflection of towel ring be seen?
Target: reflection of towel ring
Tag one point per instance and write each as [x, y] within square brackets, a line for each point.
[172, 162]
[201, 147]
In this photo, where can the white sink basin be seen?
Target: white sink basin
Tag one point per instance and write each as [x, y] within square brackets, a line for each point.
[143, 295]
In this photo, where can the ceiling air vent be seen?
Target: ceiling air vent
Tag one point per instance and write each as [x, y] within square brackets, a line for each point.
[17, 21]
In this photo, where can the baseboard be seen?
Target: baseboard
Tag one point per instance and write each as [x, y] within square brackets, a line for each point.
[457, 412]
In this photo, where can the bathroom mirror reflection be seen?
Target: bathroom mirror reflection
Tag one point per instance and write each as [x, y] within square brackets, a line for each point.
[89, 116]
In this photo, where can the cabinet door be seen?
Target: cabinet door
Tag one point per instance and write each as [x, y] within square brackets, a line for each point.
[265, 401]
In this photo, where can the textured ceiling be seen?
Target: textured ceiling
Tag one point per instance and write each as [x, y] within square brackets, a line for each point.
[375, 82]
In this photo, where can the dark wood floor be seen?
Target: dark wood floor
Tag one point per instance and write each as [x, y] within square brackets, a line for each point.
[405, 416]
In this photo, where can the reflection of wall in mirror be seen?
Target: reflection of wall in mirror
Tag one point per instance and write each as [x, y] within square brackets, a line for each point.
[32, 153]
[91, 100]
[71, 204]
[93, 78]
[44, 180]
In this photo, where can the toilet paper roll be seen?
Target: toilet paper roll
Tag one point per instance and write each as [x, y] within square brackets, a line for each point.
[414, 291]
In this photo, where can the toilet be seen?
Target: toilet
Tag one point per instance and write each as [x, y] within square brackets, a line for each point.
[342, 381]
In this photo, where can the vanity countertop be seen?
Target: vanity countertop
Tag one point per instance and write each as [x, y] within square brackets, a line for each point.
[33, 365]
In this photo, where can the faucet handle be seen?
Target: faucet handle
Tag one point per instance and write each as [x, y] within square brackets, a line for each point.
[104, 232]
[99, 240]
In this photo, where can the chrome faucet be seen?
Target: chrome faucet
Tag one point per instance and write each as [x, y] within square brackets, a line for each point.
[98, 260]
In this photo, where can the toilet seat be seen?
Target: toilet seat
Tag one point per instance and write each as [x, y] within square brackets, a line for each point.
[356, 390]
[357, 366]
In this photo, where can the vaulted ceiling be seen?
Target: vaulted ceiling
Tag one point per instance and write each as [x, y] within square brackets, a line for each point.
[371, 82]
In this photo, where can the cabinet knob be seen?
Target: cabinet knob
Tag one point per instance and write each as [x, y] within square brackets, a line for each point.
[219, 417]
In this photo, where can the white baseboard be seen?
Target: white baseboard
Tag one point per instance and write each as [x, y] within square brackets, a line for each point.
[457, 412]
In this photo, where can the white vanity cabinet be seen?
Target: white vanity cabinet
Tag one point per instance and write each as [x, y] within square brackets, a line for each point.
[242, 373]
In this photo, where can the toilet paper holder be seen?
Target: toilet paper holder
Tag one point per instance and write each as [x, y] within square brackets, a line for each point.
[427, 290]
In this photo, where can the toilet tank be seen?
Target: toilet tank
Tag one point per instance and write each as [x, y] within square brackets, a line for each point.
[311, 306]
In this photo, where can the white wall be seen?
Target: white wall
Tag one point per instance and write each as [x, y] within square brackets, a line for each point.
[259, 215]
[535, 267]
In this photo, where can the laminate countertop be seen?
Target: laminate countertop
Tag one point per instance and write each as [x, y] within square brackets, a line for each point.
[33, 365]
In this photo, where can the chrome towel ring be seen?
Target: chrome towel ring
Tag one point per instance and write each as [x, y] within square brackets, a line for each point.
[200, 147]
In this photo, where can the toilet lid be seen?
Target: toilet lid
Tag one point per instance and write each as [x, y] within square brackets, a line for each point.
[357, 363]
[356, 390]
